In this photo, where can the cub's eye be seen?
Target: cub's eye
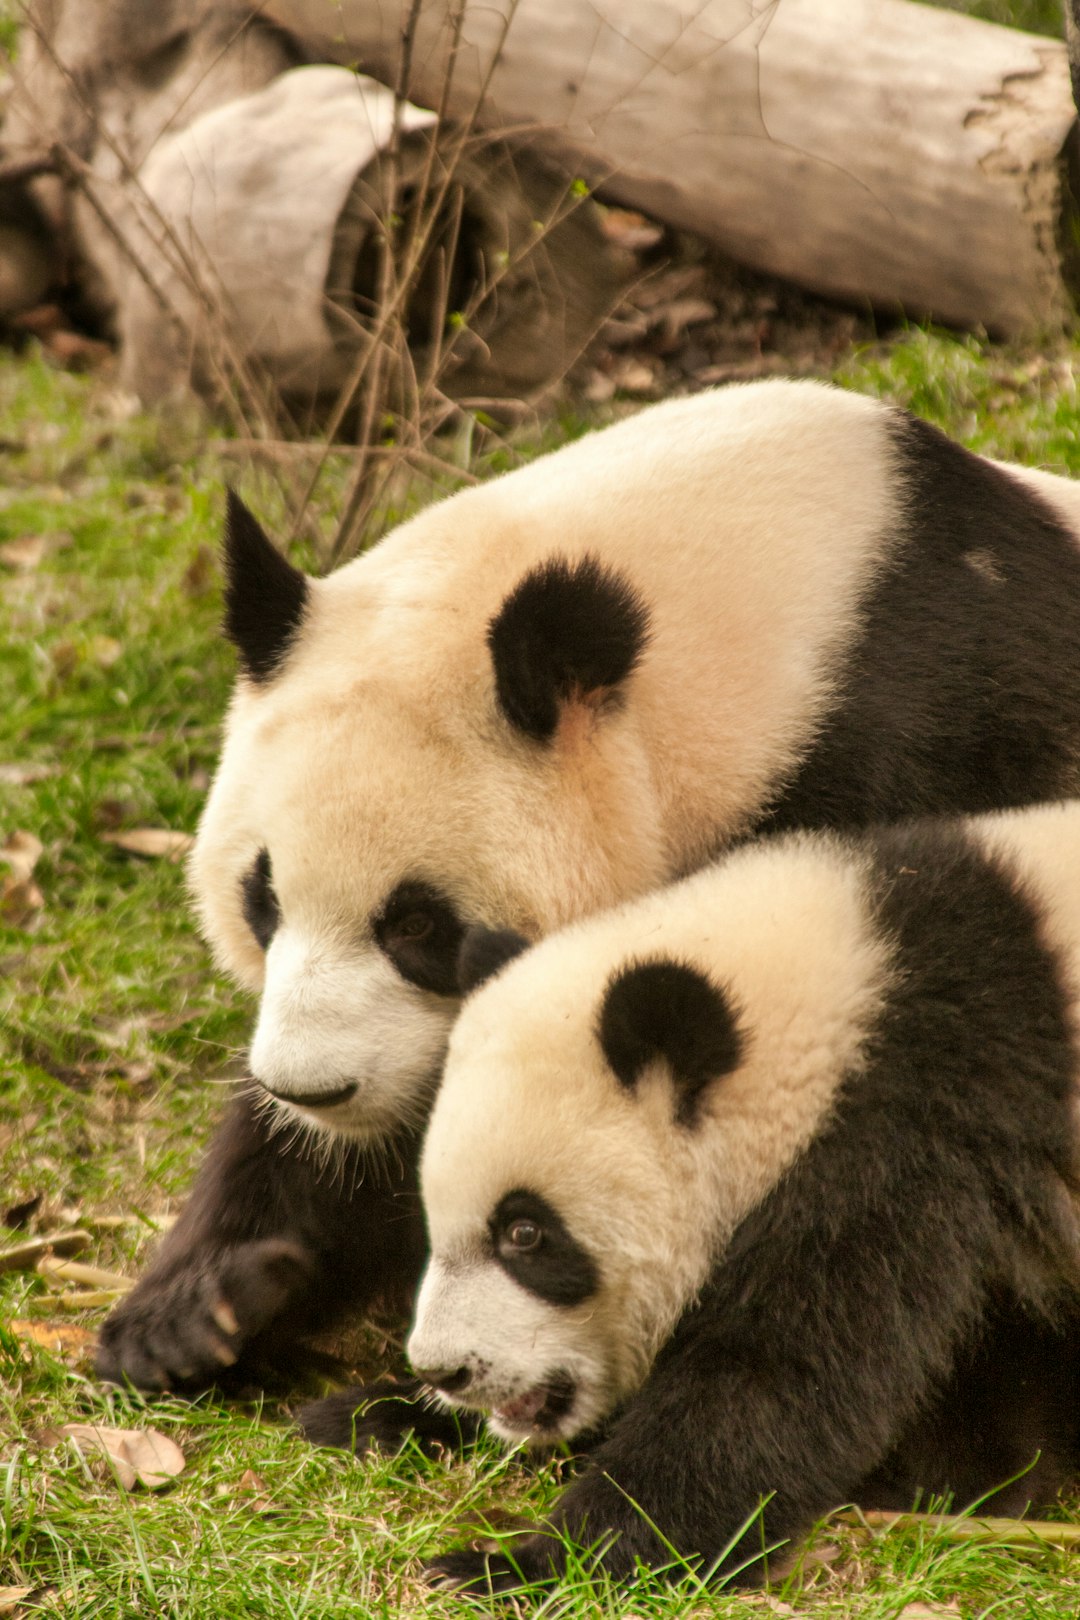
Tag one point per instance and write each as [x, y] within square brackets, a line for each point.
[416, 926]
[522, 1236]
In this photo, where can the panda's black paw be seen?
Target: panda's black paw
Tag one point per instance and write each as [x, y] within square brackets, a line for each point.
[531, 1561]
[382, 1417]
[184, 1330]
[479, 1574]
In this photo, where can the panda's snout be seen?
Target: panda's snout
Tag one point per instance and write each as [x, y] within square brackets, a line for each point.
[312, 1099]
[447, 1380]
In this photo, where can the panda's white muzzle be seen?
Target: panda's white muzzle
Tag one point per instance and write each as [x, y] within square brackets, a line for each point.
[342, 1038]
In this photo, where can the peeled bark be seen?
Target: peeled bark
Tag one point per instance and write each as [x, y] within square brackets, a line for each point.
[873, 150]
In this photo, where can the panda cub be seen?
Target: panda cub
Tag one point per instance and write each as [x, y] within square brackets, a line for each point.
[765, 607]
[767, 1179]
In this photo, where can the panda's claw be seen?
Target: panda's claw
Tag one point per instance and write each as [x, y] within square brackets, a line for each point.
[475, 1573]
[181, 1331]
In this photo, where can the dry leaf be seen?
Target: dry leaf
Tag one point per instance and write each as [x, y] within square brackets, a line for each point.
[16, 775]
[24, 553]
[12, 1596]
[633, 377]
[152, 842]
[65, 658]
[929, 1611]
[254, 1490]
[62, 1338]
[20, 903]
[22, 851]
[105, 651]
[145, 1456]
[200, 575]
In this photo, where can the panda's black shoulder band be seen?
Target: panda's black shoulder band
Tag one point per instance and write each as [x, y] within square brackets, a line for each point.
[568, 629]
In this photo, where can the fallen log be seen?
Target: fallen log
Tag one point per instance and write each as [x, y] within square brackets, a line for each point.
[873, 150]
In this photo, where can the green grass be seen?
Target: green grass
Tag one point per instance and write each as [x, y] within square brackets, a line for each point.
[115, 1031]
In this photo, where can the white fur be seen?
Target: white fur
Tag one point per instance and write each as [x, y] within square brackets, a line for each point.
[332, 1017]
[528, 1102]
[752, 520]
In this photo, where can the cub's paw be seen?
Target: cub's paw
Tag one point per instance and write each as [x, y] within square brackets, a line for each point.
[382, 1417]
[183, 1330]
[482, 1574]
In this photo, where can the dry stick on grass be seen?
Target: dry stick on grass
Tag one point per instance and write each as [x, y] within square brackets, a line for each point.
[963, 1527]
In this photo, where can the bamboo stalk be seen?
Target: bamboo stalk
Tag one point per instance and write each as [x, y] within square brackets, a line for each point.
[988, 1530]
[92, 1276]
[25, 1256]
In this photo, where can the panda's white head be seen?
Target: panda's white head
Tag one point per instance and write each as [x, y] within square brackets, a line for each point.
[614, 1102]
[407, 756]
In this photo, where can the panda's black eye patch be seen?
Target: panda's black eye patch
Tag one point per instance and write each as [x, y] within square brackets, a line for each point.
[534, 1246]
[262, 911]
[419, 930]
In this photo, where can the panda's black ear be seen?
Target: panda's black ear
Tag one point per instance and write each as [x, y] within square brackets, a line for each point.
[265, 596]
[568, 631]
[482, 952]
[667, 1010]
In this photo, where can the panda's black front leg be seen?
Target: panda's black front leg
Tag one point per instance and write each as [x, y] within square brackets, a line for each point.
[275, 1243]
[383, 1416]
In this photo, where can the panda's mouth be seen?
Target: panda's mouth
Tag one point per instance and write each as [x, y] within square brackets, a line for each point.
[542, 1408]
[314, 1099]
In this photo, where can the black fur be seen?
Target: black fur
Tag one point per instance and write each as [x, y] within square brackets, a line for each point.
[265, 596]
[259, 903]
[567, 630]
[483, 952]
[419, 930]
[862, 1330]
[962, 692]
[558, 1268]
[287, 1245]
[383, 1416]
[665, 1009]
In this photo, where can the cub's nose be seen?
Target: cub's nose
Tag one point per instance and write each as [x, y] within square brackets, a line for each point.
[450, 1380]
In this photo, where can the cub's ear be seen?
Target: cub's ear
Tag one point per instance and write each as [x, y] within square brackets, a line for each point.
[265, 596]
[666, 1010]
[482, 952]
[568, 631]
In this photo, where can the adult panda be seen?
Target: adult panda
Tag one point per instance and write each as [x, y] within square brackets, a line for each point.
[769, 1179]
[773, 605]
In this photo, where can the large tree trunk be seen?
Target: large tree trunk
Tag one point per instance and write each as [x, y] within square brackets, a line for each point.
[874, 150]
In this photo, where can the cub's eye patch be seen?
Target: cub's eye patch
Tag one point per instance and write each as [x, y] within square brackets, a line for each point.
[534, 1246]
[420, 932]
[262, 911]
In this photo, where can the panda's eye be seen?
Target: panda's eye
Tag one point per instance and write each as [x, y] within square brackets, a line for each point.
[416, 926]
[258, 900]
[523, 1236]
[420, 932]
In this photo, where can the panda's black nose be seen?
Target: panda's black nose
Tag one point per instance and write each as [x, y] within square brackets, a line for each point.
[450, 1380]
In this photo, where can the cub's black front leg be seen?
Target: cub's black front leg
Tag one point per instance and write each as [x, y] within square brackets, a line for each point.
[275, 1243]
[383, 1416]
